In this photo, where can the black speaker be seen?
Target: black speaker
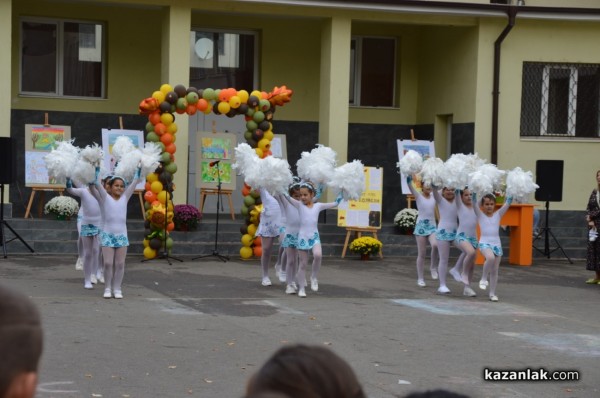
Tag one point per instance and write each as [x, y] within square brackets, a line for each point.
[6, 160]
[549, 176]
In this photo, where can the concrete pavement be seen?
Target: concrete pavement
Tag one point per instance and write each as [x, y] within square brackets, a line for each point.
[201, 328]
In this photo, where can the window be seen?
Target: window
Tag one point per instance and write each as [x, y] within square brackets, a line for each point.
[223, 59]
[62, 58]
[560, 100]
[372, 71]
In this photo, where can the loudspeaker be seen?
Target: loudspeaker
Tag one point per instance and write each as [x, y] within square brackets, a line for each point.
[6, 160]
[549, 176]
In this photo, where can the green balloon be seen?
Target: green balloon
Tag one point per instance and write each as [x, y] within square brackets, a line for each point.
[248, 135]
[255, 194]
[169, 243]
[171, 168]
[149, 127]
[264, 105]
[258, 116]
[244, 210]
[250, 112]
[192, 98]
[249, 200]
[251, 125]
[161, 145]
[152, 137]
[165, 157]
[181, 103]
[209, 94]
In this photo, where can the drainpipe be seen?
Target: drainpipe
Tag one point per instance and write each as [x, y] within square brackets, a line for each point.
[512, 13]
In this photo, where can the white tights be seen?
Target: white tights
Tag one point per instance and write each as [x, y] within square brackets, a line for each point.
[468, 261]
[316, 264]
[490, 268]
[422, 253]
[114, 266]
[291, 254]
[89, 254]
[267, 250]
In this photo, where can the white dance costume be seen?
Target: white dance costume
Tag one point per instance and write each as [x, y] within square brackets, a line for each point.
[466, 232]
[114, 229]
[426, 224]
[467, 223]
[446, 229]
[270, 217]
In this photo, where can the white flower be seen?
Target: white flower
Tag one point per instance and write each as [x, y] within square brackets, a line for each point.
[406, 218]
[62, 205]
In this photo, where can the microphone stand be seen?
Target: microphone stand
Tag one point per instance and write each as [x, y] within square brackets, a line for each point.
[3, 224]
[215, 252]
[165, 253]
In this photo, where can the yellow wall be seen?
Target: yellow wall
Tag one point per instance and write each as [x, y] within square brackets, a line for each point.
[133, 58]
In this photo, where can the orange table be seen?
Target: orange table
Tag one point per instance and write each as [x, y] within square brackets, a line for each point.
[519, 218]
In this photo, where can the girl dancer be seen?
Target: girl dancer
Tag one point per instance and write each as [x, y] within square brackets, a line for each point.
[114, 231]
[489, 241]
[88, 231]
[445, 233]
[290, 240]
[268, 229]
[466, 240]
[424, 230]
[308, 235]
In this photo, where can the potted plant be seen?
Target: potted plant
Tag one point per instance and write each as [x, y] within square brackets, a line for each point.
[406, 219]
[365, 246]
[186, 217]
[63, 207]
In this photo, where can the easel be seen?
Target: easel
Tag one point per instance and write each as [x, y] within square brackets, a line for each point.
[43, 191]
[410, 197]
[213, 191]
[358, 232]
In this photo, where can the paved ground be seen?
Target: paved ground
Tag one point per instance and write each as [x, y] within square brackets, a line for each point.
[201, 328]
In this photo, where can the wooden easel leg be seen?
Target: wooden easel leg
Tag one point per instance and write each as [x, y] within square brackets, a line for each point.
[28, 211]
[231, 206]
[346, 243]
[202, 198]
[41, 204]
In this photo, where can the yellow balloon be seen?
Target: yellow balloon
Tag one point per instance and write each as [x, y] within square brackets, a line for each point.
[167, 119]
[159, 96]
[152, 177]
[172, 128]
[269, 135]
[166, 88]
[161, 196]
[256, 93]
[246, 252]
[243, 95]
[146, 243]
[251, 229]
[235, 102]
[264, 144]
[224, 107]
[259, 152]
[247, 240]
[149, 252]
[156, 187]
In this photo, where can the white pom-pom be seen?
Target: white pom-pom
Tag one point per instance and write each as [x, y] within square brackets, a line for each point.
[411, 163]
[92, 154]
[349, 179]
[245, 158]
[60, 162]
[128, 165]
[122, 147]
[519, 184]
[317, 165]
[84, 172]
[150, 158]
[272, 174]
[432, 172]
[486, 179]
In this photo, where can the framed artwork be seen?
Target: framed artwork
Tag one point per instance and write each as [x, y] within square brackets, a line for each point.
[425, 148]
[40, 140]
[109, 136]
[366, 211]
[214, 157]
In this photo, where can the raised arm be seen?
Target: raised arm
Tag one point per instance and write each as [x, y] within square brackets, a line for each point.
[292, 201]
[136, 180]
[458, 199]
[325, 206]
[505, 206]
[411, 187]
[476, 205]
[436, 194]
[73, 189]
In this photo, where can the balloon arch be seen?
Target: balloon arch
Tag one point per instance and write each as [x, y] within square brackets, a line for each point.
[258, 108]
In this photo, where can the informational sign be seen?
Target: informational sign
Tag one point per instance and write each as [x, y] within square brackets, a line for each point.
[366, 211]
[425, 148]
[109, 136]
[40, 140]
[214, 157]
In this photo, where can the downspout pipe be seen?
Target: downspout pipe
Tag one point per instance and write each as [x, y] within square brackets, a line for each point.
[512, 14]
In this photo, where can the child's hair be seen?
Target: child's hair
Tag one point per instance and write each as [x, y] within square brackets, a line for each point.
[20, 336]
[308, 185]
[115, 178]
[294, 188]
[488, 196]
[301, 371]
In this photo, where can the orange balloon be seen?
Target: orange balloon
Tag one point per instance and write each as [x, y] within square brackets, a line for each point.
[257, 250]
[191, 109]
[264, 94]
[171, 148]
[147, 186]
[257, 241]
[202, 104]
[160, 128]
[170, 226]
[166, 138]
[149, 196]
[154, 117]
[245, 191]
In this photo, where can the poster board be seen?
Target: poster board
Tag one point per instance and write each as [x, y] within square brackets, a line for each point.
[39, 141]
[425, 148]
[213, 147]
[109, 136]
[279, 146]
[366, 211]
